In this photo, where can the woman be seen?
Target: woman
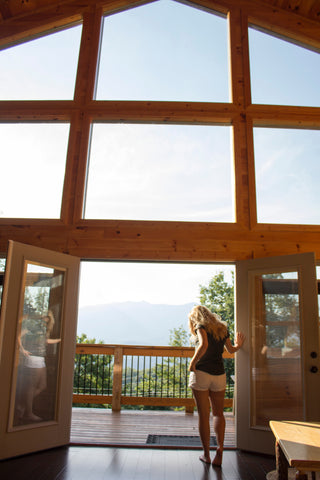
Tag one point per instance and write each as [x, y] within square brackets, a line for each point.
[207, 375]
[34, 338]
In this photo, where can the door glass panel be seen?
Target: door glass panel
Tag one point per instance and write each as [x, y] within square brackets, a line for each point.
[276, 360]
[38, 346]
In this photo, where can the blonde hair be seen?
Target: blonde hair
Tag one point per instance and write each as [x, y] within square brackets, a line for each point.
[50, 322]
[211, 322]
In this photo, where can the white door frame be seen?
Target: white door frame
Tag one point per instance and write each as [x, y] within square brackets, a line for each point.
[36, 436]
[253, 439]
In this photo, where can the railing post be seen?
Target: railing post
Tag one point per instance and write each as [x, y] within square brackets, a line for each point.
[189, 409]
[117, 379]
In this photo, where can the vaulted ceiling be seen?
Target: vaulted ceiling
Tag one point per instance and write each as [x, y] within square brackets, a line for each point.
[12, 8]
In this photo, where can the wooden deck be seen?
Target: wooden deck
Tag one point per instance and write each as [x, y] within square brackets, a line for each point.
[131, 427]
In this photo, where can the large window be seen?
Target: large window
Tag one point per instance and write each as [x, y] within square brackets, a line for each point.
[164, 51]
[155, 115]
[160, 172]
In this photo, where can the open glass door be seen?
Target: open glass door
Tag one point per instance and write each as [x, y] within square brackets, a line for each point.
[37, 344]
[278, 369]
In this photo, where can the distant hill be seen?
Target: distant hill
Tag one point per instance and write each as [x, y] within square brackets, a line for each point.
[132, 323]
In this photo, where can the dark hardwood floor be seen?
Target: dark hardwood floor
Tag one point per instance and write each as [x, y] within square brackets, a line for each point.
[112, 446]
[108, 463]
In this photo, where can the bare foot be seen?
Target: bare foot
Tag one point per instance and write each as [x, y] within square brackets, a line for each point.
[217, 461]
[32, 418]
[204, 459]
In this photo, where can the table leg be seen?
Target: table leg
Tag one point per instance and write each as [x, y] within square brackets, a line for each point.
[282, 463]
[301, 475]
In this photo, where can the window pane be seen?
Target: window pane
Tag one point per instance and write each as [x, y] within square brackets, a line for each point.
[32, 165]
[42, 69]
[287, 172]
[283, 73]
[164, 51]
[160, 172]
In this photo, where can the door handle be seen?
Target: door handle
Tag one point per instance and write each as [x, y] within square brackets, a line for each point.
[313, 369]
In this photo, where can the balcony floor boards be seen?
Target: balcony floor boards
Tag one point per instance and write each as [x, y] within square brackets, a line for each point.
[132, 427]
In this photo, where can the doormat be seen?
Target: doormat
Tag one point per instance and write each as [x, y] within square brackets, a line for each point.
[178, 440]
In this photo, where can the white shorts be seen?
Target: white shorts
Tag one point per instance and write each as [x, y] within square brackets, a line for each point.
[32, 361]
[200, 380]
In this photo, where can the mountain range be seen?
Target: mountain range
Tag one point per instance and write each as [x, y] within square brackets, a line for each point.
[132, 323]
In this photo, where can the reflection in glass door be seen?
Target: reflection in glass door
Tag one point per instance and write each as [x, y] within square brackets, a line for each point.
[38, 346]
[276, 373]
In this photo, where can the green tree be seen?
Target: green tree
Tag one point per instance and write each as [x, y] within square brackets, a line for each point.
[179, 337]
[92, 373]
[218, 296]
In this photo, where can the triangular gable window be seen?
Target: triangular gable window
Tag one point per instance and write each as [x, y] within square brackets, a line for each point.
[164, 51]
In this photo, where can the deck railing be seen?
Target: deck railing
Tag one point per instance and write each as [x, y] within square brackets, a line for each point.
[136, 375]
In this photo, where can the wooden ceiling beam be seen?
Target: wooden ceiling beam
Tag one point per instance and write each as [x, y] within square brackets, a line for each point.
[30, 23]
[162, 241]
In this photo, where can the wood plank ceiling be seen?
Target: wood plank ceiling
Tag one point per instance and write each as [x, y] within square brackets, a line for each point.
[309, 9]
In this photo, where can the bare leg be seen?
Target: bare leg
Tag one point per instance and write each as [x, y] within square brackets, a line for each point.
[219, 423]
[36, 384]
[203, 407]
[41, 383]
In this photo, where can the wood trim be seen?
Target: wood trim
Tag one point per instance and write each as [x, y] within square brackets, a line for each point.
[162, 112]
[155, 401]
[88, 56]
[140, 350]
[287, 25]
[251, 174]
[45, 19]
[69, 186]
[97, 399]
[37, 111]
[162, 241]
[284, 116]
[36, 24]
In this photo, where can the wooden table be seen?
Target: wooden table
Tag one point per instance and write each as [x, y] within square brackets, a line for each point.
[298, 446]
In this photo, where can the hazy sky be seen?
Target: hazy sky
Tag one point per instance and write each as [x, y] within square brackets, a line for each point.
[172, 284]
